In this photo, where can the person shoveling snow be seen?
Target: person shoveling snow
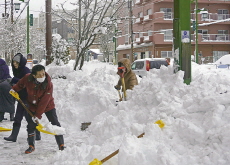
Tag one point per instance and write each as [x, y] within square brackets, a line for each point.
[40, 100]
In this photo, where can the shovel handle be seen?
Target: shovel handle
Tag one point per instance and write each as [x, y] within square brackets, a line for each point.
[16, 95]
[116, 152]
[120, 97]
[123, 87]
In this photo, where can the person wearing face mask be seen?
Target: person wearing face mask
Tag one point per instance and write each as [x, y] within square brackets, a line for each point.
[19, 70]
[130, 78]
[40, 100]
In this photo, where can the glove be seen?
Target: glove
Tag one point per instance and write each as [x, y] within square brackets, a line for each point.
[14, 94]
[35, 119]
[12, 91]
[117, 87]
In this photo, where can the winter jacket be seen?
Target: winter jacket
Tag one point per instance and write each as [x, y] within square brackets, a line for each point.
[6, 100]
[19, 73]
[4, 70]
[129, 76]
[40, 97]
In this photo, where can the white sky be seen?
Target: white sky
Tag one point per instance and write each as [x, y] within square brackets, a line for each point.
[36, 6]
[196, 117]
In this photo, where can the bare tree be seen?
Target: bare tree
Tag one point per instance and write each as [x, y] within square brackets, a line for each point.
[88, 20]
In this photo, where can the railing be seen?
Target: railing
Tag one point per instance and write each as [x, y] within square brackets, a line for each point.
[210, 16]
[212, 37]
[215, 37]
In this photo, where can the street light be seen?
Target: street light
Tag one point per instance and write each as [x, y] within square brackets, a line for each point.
[17, 7]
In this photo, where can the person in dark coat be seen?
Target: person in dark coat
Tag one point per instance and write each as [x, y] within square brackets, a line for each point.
[40, 101]
[19, 70]
[6, 100]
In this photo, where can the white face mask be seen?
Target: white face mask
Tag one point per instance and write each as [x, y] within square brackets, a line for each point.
[41, 79]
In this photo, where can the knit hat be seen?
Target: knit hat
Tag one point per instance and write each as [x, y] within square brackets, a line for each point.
[17, 58]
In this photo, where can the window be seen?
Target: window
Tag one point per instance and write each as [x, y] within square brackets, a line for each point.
[167, 12]
[149, 12]
[204, 33]
[166, 54]
[150, 32]
[168, 36]
[218, 54]
[223, 32]
[137, 65]
[222, 14]
[222, 35]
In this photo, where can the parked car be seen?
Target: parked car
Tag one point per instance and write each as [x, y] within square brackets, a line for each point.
[141, 66]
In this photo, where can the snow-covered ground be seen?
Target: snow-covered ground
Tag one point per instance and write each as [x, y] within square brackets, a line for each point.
[196, 117]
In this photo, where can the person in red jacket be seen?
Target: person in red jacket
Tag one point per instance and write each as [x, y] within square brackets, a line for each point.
[40, 100]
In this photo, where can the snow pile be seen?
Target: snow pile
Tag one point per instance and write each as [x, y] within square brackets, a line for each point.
[196, 130]
[196, 117]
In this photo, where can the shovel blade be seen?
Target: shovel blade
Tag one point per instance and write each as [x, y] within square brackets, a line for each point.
[95, 162]
[40, 129]
[4, 129]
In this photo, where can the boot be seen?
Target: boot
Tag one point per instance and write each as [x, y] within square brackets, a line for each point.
[60, 142]
[14, 133]
[38, 135]
[31, 142]
[11, 116]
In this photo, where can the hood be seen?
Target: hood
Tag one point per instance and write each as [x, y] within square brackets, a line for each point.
[126, 63]
[2, 62]
[22, 62]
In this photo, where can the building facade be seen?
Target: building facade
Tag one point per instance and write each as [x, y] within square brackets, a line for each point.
[152, 26]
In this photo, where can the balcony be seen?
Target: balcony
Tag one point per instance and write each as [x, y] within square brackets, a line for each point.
[139, 40]
[138, 20]
[210, 16]
[161, 17]
[212, 38]
[147, 18]
[138, 2]
[214, 1]
[148, 39]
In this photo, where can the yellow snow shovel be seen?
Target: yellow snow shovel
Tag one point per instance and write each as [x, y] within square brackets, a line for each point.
[99, 162]
[4, 129]
[39, 127]
[160, 123]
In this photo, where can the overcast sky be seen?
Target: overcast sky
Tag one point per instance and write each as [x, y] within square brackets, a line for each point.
[36, 6]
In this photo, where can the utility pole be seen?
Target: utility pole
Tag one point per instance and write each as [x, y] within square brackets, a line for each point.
[5, 17]
[28, 29]
[196, 31]
[131, 30]
[12, 28]
[182, 38]
[48, 32]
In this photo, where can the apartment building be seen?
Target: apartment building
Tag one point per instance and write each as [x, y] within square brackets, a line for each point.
[153, 24]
